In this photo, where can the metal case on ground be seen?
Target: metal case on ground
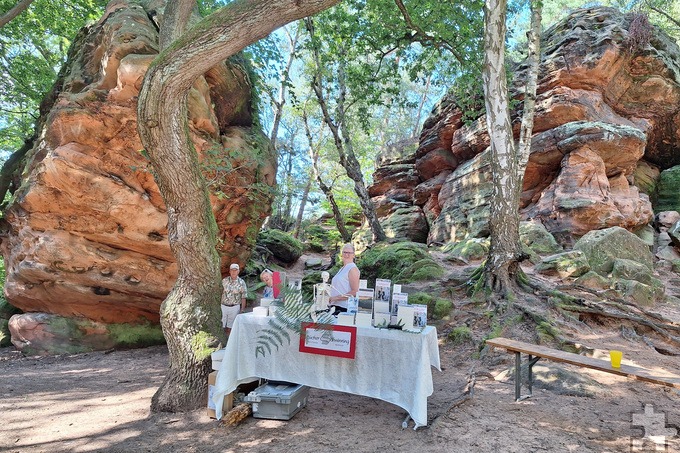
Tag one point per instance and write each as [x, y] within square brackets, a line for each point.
[278, 400]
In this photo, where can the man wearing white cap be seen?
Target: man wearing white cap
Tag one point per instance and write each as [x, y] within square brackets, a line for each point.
[233, 297]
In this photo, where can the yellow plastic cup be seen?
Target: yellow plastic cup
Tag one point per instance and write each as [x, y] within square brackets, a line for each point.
[616, 357]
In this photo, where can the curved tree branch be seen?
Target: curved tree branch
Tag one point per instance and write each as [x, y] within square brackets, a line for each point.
[14, 12]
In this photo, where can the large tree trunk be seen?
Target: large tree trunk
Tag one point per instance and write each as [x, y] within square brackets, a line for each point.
[504, 253]
[507, 166]
[190, 314]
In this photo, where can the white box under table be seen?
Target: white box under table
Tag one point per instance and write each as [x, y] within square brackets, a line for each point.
[390, 365]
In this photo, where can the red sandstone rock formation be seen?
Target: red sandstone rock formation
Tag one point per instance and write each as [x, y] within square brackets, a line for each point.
[602, 111]
[86, 233]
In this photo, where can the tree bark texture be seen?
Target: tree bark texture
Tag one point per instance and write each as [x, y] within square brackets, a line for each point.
[190, 314]
[533, 61]
[502, 264]
[301, 208]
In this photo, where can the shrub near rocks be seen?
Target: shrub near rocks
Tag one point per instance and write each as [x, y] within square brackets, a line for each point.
[5, 337]
[320, 239]
[6, 312]
[437, 307]
[401, 262]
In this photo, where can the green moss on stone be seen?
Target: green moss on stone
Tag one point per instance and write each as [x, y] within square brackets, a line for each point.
[391, 260]
[422, 270]
[65, 328]
[200, 345]
[668, 190]
[136, 335]
[282, 245]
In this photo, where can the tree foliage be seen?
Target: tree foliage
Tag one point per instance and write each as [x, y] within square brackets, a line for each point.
[33, 47]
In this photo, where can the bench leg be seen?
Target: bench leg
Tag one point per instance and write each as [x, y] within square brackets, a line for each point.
[518, 376]
[530, 376]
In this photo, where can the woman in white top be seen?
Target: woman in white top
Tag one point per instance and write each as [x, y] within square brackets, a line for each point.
[346, 282]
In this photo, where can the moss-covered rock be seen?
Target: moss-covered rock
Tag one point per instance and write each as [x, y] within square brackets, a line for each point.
[639, 292]
[392, 261]
[668, 190]
[602, 247]
[631, 270]
[468, 249]
[646, 176]
[406, 223]
[646, 233]
[674, 233]
[136, 335]
[422, 270]
[566, 264]
[593, 280]
[283, 246]
[538, 238]
[42, 333]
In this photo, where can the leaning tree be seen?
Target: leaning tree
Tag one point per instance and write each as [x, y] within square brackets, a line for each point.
[189, 310]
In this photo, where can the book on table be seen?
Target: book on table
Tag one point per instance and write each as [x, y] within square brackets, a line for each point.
[398, 299]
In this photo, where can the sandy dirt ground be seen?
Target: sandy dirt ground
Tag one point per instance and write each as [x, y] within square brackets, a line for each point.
[99, 402]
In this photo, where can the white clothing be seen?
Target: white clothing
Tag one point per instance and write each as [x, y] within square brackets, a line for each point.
[340, 284]
[229, 313]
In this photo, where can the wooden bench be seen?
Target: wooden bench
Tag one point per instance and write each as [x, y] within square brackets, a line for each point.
[536, 352]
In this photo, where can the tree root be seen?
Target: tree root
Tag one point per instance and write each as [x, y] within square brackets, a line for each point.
[609, 306]
[466, 394]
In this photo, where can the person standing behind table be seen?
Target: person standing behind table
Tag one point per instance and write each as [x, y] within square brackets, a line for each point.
[233, 297]
[267, 278]
[346, 282]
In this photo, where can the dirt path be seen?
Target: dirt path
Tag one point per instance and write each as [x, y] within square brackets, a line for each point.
[99, 402]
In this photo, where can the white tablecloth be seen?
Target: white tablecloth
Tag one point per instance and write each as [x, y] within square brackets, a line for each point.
[390, 365]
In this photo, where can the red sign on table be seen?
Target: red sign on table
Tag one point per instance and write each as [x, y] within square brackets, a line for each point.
[328, 339]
